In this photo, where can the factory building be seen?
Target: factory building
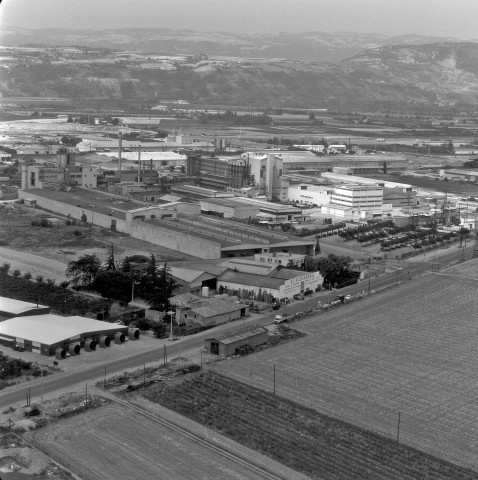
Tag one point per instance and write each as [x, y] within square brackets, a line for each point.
[277, 284]
[219, 173]
[174, 225]
[50, 334]
[310, 194]
[64, 174]
[305, 160]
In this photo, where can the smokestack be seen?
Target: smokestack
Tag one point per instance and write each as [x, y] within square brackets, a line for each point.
[120, 150]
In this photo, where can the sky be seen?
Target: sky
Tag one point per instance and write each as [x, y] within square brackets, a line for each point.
[443, 18]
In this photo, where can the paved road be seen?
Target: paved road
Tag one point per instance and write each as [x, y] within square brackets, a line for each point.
[35, 264]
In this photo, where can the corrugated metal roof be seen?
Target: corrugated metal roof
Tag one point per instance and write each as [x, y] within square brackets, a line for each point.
[239, 335]
[16, 307]
[249, 279]
[217, 306]
[49, 329]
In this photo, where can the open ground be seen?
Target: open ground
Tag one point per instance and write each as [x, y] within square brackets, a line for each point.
[411, 350]
[65, 243]
[114, 442]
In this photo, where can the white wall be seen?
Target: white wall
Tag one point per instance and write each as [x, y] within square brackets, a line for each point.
[310, 195]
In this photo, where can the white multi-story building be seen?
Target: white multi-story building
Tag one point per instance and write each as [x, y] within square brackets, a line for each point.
[349, 201]
[310, 194]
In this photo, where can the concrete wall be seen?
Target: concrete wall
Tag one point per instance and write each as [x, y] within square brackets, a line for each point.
[179, 241]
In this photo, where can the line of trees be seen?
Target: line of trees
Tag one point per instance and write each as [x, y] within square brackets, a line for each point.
[134, 275]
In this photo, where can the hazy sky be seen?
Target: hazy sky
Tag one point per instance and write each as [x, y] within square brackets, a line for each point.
[447, 18]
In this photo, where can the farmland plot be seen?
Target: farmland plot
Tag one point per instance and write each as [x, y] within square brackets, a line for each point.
[114, 443]
[300, 438]
[411, 350]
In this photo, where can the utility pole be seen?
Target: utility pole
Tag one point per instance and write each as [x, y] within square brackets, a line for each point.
[398, 427]
[274, 378]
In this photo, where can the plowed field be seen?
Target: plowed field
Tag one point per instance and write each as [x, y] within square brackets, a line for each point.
[413, 350]
[113, 443]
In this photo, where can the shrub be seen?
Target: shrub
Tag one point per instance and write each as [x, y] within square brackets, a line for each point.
[4, 268]
[27, 276]
[16, 273]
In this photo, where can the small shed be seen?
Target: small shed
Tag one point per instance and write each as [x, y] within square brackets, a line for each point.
[226, 344]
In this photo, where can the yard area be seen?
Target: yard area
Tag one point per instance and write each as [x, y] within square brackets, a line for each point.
[64, 243]
[410, 350]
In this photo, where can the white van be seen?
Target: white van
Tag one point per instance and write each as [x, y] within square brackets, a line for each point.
[281, 318]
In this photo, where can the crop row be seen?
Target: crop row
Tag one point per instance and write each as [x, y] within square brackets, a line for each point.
[299, 437]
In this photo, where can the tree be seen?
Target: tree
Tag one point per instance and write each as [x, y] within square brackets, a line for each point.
[157, 285]
[317, 247]
[336, 270]
[110, 261]
[114, 285]
[83, 271]
[4, 268]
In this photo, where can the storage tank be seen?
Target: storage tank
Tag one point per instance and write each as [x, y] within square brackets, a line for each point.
[133, 333]
[120, 337]
[205, 291]
[90, 345]
[105, 341]
[60, 353]
[74, 348]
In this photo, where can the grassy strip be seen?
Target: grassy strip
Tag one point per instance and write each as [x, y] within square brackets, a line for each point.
[301, 438]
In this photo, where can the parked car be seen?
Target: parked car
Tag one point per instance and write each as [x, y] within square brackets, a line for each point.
[298, 296]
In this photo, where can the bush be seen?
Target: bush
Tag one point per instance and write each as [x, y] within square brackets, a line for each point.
[4, 268]
[16, 273]
[27, 276]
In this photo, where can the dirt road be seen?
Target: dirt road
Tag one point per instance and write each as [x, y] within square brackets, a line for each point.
[35, 264]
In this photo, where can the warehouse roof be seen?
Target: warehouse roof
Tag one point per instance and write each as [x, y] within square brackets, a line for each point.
[239, 335]
[17, 307]
[217, 306]
[49, 329]
[250, 279]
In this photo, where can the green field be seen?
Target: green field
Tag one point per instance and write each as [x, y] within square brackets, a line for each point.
[412, 349]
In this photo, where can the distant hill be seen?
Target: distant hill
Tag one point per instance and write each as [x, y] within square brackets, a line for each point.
[309, 46]
[401, 77]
